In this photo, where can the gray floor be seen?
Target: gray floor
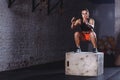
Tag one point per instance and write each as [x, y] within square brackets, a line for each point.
[48, 72]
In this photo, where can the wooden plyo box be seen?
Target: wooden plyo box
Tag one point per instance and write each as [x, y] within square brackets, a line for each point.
[84, 63]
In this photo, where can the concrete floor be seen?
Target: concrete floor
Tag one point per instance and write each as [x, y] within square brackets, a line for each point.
[55, 72]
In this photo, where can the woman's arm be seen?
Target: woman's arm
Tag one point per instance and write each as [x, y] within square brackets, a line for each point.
[75, 22]
[91, 23]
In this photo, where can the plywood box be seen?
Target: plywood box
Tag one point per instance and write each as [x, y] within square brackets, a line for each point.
[84, 63]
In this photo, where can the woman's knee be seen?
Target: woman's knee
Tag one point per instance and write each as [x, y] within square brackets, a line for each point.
[76, 34]
[93, 34]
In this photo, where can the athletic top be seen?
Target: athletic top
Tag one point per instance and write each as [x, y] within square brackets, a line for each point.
[83, 27]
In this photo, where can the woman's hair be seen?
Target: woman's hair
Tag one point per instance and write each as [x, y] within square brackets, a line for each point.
[85, 9]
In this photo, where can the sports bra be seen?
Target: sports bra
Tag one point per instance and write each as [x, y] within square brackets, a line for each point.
[84, 27]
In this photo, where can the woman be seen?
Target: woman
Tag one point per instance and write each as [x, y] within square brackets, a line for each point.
[86, 34]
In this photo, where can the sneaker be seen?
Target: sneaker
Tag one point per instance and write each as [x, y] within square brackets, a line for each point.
[78, 50]
[95, 50]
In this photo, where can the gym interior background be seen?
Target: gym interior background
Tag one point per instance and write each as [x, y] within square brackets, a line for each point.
[33, 35]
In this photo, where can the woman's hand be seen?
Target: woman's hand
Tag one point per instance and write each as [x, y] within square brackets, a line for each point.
[73, 19]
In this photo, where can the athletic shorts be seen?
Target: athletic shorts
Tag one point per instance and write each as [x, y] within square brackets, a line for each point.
[86, 36]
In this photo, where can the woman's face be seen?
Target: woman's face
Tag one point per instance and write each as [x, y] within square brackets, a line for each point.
[85, 14]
